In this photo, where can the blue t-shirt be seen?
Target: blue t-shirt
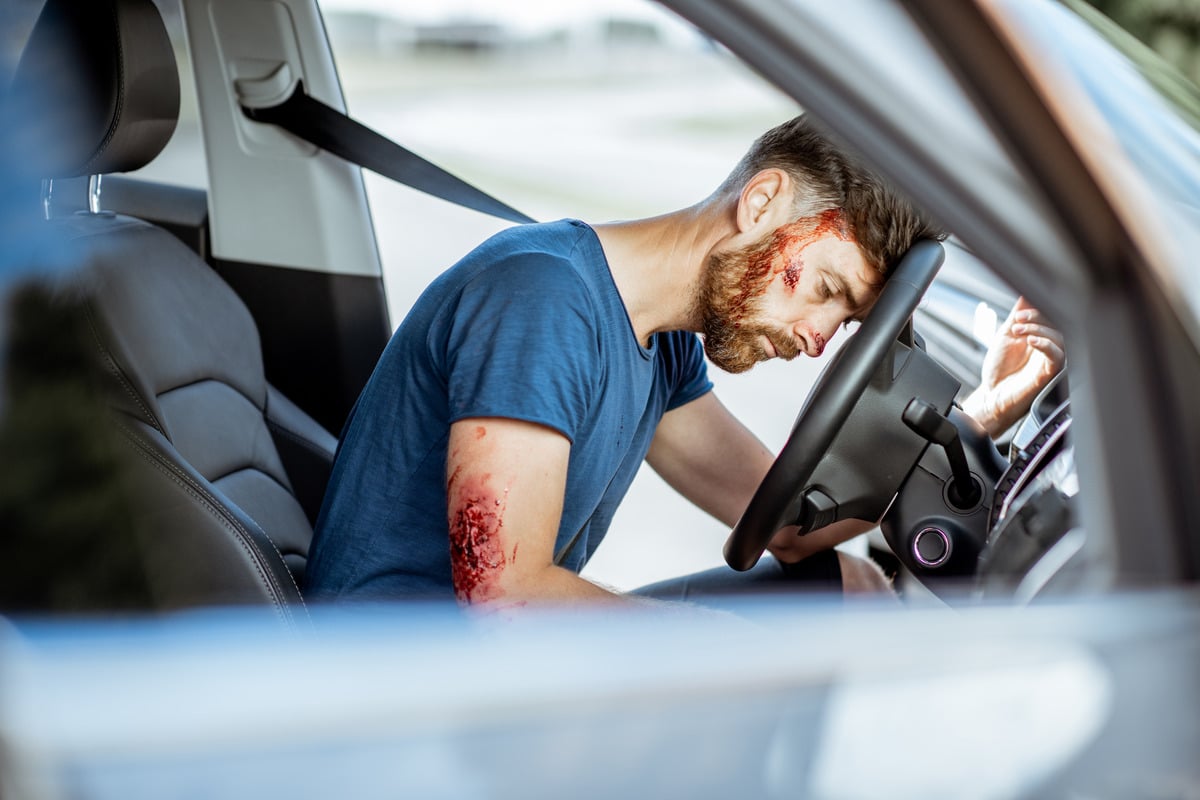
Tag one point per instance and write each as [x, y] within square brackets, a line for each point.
[527, 326]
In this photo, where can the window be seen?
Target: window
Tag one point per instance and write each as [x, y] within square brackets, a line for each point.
[562, 111]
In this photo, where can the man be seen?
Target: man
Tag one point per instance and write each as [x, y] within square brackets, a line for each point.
[514, 405]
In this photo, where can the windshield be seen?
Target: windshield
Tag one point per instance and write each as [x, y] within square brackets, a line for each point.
[1140, 117]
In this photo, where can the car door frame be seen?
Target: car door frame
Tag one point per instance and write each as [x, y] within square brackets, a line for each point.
[290, 226]
[1132, 370]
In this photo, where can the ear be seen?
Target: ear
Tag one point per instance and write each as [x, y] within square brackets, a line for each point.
[765, 201]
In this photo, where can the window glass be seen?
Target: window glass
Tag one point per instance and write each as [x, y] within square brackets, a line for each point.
[1150, 113]
[595, 111]
[599, 111]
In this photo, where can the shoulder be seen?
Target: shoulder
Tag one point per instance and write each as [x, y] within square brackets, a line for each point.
[542, 264]
[543, 244]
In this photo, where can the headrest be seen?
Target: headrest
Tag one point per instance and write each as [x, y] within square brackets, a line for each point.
[96, 89]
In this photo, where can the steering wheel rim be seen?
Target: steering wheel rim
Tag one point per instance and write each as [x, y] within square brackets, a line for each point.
[829, 404]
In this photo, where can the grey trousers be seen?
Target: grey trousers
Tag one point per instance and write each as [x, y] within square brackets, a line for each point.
[819, 572]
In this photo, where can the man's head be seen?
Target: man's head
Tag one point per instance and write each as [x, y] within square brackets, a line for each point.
[817, 236]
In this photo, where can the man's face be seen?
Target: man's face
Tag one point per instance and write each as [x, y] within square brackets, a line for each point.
[785, 295]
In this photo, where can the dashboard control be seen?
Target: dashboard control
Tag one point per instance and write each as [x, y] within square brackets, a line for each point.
[1043, 446]
[923, 419]
[931, 547]
[930, 526]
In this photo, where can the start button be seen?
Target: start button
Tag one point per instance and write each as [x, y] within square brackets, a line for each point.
[931, 547]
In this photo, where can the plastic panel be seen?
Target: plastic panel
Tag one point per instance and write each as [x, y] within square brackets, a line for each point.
[272, 198]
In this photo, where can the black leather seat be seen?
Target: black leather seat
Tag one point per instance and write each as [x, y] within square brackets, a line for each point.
[218, 511]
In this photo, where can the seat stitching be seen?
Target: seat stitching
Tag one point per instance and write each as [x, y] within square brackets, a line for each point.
[243, 535]
[120, 109]
[214, 501]
[219, 382]
[153, 459]
[117, 372]
[298, 438]
[250, 468]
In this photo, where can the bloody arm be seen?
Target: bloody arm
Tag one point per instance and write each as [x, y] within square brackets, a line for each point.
[505, 481]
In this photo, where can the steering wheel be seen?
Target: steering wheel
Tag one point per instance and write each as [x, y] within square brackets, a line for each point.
[783, 498]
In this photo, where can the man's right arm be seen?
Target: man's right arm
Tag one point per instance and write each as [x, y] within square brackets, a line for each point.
[505, 481]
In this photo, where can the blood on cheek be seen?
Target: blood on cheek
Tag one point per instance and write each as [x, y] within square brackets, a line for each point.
[790, 241]
[477, 557]
[791, 273]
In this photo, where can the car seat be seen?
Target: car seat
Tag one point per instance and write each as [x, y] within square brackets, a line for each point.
[98, 89]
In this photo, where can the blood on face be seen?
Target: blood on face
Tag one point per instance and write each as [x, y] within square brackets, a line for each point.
[818, 342]
[783, 252]
[790, 241]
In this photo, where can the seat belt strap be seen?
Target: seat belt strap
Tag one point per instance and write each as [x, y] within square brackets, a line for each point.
[331, 130]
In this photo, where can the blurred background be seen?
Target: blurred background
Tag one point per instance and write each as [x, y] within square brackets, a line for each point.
[1170, 27]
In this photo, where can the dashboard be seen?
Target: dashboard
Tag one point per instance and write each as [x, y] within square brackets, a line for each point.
[1033, 527]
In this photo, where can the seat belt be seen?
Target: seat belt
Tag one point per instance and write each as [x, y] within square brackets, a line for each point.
[329, 129]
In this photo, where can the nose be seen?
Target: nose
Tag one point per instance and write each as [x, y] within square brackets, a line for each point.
[816, 335]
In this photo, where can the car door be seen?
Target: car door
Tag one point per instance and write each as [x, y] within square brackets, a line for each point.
[987, 150]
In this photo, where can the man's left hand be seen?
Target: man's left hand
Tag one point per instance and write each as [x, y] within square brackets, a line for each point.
[1021, 360]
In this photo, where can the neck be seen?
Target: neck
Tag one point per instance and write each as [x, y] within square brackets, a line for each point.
[657, 263]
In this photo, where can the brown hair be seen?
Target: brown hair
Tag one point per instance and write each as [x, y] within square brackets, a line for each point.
[884, 224]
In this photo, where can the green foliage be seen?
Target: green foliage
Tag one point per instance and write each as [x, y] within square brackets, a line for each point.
[1170, 27]
[67, 539]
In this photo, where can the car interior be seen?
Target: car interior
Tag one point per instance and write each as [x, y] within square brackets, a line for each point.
[225, 411]
[169, 412]
[226, 472]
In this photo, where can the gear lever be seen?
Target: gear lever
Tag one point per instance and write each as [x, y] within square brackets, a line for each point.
[927, 422]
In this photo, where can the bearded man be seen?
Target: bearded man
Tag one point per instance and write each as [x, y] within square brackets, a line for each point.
[512, 408]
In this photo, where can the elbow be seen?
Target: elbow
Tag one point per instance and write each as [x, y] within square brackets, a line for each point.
[480, 563]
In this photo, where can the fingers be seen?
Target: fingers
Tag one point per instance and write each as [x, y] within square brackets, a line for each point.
[1043, 338]
[1029, 315]
[1021, 313]
[1051, 348]
[1036, 329]
[1015, 315]
[1031, 318]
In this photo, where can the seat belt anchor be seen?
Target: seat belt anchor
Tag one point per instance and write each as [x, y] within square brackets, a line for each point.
[254, 93]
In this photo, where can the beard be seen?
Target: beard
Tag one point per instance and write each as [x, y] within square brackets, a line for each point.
[729, 306]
